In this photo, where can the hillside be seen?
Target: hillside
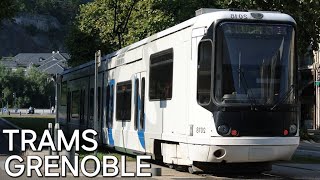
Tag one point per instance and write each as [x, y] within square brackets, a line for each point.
[34, 34]
[40, 26]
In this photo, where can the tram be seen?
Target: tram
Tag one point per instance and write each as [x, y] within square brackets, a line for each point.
[219, 88]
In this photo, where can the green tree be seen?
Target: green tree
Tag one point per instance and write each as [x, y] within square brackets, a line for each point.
[111, 24]
[7, 9]
[305, 12]
[31, 88]
[82, 46]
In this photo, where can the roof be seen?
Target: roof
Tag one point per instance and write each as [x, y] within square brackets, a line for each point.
[9, 63]
[25, 59]
[54, 69]
[51, 63]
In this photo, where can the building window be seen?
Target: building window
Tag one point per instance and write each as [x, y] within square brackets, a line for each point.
[204, 72]
[161, 72]
[123, 103]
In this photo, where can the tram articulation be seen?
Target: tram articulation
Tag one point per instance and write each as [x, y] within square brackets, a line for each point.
[220, 87]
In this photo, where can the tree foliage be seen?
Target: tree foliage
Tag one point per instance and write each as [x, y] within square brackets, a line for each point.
[30, 88]
[112, 24]
[7, 9]
[305, 12]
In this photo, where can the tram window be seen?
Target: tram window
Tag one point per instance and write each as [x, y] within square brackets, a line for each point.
[107, 106]
[123, 111]
[136, 103]
[204, 72]
[111, 107]
[75, 104]
[161, 72]
[64, 94]
[91, 103]
[99, 104]
[68, 105]
[142, 103]
[82, 104]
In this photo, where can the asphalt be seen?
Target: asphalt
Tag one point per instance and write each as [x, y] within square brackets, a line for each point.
[4, 141]
[308, 149]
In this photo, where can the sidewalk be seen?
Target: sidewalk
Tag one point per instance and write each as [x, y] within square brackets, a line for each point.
[166, 173]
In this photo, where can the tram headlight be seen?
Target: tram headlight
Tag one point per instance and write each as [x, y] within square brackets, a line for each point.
[223, 129]
[293, 129]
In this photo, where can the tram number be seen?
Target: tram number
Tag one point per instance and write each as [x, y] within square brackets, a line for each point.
[200, 130]
[239, 16]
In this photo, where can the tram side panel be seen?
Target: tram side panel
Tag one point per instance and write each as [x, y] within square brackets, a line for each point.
[133, 132]
[63, 104]
[73, 105]
[167, 100]
[104, 104]
[90, 108]
[176, 119]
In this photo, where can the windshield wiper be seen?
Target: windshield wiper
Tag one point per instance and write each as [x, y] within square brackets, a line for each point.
[253, 102]
[284, 97]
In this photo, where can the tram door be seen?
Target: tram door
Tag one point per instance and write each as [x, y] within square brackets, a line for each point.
[108, 128]
[133, 131]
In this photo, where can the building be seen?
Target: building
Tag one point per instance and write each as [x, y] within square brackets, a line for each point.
[51, 63]
[309, 90]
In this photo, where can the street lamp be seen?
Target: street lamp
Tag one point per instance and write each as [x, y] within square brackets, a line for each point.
[2, 96]
[57, 80]
[14, 100]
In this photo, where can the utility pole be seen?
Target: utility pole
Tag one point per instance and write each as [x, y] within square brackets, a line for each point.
[14, 100]
[57, 80]
[2, 96]
[97, 65]
[317, 90]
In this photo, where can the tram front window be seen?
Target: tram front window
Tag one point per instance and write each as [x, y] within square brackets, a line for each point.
[254, 63]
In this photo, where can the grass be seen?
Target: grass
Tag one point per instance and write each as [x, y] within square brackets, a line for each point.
[38, 123]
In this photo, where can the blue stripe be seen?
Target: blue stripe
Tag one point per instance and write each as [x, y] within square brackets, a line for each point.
[140, 130]
[110, 137]
[111, 103]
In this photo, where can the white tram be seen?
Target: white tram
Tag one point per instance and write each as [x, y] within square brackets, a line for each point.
[219, 88]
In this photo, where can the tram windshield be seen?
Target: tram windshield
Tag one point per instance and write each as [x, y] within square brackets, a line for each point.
[254, 63]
